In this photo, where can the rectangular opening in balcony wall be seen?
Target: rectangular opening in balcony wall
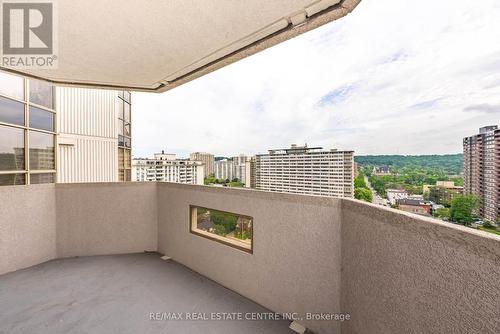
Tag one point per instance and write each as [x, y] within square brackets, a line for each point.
[231, 229]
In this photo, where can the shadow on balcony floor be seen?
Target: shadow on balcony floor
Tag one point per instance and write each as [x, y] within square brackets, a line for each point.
[116, 294]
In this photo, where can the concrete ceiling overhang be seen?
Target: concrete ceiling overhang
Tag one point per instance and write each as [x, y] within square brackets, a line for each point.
[157, 45]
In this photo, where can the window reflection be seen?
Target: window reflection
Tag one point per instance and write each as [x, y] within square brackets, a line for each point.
[41, 119]
[42, 178]
[41, 93]
[126, 111]
[12, 85]
[11, 111]
[42, 155]
[11, 148]
[12, 179]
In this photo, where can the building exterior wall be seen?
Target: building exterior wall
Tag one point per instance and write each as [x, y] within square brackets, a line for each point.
[88, 139]
[28, 129]
[207, 159]
[482, 170]
[391, 271]
[114, 218]
[297, 273]
[61, 134]
[166, 169]
[306, 171]
[27, 226]
[224, 169]
[403, 273]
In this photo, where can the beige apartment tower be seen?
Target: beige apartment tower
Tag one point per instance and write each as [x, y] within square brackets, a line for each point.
[482, 170]
[207, 159]
[305, 170]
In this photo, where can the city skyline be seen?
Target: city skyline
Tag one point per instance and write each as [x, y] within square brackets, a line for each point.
[345, 85]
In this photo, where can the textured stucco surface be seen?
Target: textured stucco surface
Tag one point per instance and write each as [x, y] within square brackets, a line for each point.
[116, 294]
[295, 265]
[27, 226]
[106, 218]
[403, 274]
[392, 272]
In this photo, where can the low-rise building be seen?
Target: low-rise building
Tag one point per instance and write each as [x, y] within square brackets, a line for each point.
[381, 170]
[393, 195]
[443, 192]
[415, 205]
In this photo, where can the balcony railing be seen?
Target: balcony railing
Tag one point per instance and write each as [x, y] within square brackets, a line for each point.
[392, 272]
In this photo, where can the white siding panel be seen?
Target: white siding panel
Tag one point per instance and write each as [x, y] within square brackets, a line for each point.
[90, 160]
[88, 112]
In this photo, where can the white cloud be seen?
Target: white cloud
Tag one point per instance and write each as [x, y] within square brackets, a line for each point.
[394, 76]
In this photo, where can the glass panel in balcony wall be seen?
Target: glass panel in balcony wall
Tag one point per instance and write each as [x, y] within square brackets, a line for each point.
[128, 175]
[11, 148]
[121, 140]
[120, 128]
[12, 85]
[120, 158]
[229, 228]
[121, 114]
[12, 179]
[128, 142]
[121, 175]
[127, 158]
[11, 111]
[41, 93]
[41, 119]
[127, 96]
[42, 155]
[127, 129]
[42, 178]
[126, 111]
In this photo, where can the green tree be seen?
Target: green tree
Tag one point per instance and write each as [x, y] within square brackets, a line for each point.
[442, 213]
[359, 181]
[209, 180]
[363, 194]
[462, 209]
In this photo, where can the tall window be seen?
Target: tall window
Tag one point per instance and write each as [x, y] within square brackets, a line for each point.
[124, 137]
[27, 131]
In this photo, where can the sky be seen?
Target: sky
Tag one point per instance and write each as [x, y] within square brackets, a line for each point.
[392, 77]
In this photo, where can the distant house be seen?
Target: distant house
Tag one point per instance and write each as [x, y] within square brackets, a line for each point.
[381, 170]
[449, 185]
[415, 205]
[443, 192]
[393, 195]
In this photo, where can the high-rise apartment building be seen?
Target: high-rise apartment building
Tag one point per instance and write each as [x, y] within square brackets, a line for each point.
[207, 159]
[304, 170]
[240, 167]
[61, 134]
[224, 169]
[167, 168]
[482, 170]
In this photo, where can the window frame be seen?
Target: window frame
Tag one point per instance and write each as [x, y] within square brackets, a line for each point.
[123, 140]
[27, 130]
[217, 238]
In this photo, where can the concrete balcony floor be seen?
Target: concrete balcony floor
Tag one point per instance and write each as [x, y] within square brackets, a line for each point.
[116, 294]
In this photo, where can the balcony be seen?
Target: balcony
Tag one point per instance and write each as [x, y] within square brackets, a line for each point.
[73, 260]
